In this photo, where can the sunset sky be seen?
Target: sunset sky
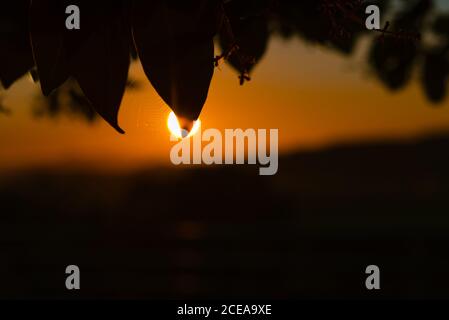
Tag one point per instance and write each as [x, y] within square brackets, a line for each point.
[315, 98]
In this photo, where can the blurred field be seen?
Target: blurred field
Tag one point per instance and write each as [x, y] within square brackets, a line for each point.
[309, 231]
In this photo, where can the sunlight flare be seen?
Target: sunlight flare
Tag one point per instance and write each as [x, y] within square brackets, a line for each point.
[181, 132]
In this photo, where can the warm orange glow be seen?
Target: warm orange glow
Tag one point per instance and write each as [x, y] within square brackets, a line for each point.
[303, 91]
[175, 128]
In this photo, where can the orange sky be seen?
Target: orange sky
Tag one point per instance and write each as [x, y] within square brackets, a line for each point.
[314, 97]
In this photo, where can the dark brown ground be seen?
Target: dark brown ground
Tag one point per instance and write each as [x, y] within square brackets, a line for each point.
[309, 231]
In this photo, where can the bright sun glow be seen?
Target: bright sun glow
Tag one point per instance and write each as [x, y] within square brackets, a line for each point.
[175, 128]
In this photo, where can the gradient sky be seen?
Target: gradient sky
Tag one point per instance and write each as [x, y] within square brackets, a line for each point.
[314, 97]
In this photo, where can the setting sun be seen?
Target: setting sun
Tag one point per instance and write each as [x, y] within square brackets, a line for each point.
[176, 130]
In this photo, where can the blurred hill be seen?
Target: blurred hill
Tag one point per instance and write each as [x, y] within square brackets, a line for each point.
[310, 231]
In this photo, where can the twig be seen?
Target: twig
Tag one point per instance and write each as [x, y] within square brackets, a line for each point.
[245, 62]
[348, 9]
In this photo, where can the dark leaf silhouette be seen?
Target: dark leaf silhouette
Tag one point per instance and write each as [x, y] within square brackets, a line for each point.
[97, 55]
[302, 18]
[315, 22]
[102, 62]
[251, 37]
[435, 72]
[435, 75]
[393, 59]
[393, 62]
[174, 40]
[244, 35]
[49, 46]
[16, 57]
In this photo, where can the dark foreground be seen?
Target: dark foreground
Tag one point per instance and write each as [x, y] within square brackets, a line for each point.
[309, 231]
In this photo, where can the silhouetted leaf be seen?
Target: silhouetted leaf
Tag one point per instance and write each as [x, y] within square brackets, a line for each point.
[392, 58]
[97, 55]
[393, 61]
[251, 36]
[101, 64]
[174, 40]
[435, 75]
[47, 31]
[249, 31]
[16, 57]
[303, 18]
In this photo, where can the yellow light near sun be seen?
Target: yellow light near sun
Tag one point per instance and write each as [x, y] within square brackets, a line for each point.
[176, 130]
